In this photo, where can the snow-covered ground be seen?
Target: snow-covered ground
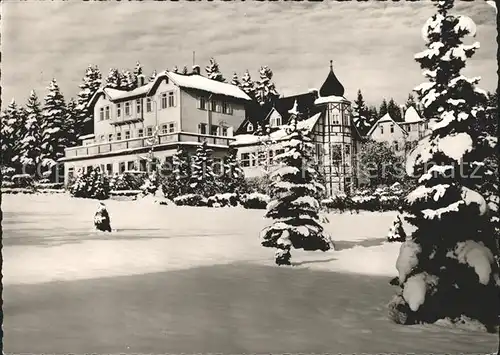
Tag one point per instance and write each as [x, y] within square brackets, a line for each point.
[51, 237]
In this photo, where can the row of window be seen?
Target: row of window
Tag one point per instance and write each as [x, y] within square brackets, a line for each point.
[215, 105]
[408, 127]
[167, 99]
[141, 132]
[214, 130]
[259, 158]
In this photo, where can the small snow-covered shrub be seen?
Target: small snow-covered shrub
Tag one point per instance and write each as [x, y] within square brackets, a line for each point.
[223, 200]
[91, 184]
[151, 184]
[261, 184]
[7, 173]
[129, 180]
[7, 183]
[255, 200]
[191, 200]
[23, 181]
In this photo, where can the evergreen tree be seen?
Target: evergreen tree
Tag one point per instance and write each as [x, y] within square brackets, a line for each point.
[248, 85]
[394, 110]
[235, 80]
[447, 267]
[383, 108]
[295, 207]
[175, 69]
[30, 152]
[7, 138]
[15, 130]
[178, 176]
[265, 91]
[360, 114]
[91, 82]
[115, 79]
[71, 123]
[137, 70]
[153, 76]
[410, 102]
[128, 80]
[54, 139]
[396, 233]
[185, 70]
[233, 179]
[213, 71]
[203, 180]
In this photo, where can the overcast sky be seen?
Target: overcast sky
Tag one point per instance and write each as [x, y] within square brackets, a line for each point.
[372, 45]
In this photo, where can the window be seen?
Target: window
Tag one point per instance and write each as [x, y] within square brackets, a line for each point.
[381, 129]
[202, 103]
[218, 106]
[71, 172]
[102, 138]
[140, 132]
[143, 165]
[121, 167]
[396, 146]
[271, 156]
[275, 121]
[214, 131]
[118, 110]
[149, 131]
[171, 99]
[131, 165]
[109, 169]
[250, 127]
[127, 134]
[392, 127]
[138, 106]
[110, 137]
[107, 112]
[245, 159]
[127, 108]
[164, 100]
[171, 127]
[224, 131]
[213, 105]
[118, 136]
[225, 107]
[164, 128]
[347, 150]
[101, 114]
[202, 128]
[149, 105]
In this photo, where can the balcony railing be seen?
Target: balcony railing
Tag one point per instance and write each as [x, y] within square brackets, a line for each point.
[142, 142]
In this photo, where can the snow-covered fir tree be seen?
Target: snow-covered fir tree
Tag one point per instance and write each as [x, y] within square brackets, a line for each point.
[360, 114]
[153, 75]
[91, 82]
[446, 266]
[233, 178]
[203, 179]
[235, 80]
[13, 132]
[383, 108]
[138, 69]
[129, 80]
[30, 152]
[175, 69]
[54, 139]
[247, 84]
[410, 102]
[213, 71]
[7, 139]
[185, 70]
[394, 110]
[70, 124]
[114, 80]
[295, 207]
[265, 91]
[177, 181]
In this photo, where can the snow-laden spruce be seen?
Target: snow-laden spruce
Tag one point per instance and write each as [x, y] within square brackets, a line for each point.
[13, 131]
[247, 84]
[213, 71]
[446, 266]
[91, 82]
[396, 233]
[295, 207]
[203, 179]
[265, 90]
[30, 151]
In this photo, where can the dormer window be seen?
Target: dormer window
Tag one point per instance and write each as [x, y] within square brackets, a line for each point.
[250, 127]
[275, 121]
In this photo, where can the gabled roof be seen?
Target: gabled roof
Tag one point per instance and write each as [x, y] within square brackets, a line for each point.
[412, 116]
[191, 81]
[248, 139]
[384, 118]
[273, 114]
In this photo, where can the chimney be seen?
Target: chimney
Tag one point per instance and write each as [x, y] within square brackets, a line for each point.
[140, 80]
[196, 70]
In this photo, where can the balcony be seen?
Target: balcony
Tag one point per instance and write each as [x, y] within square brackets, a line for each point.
[109, 148]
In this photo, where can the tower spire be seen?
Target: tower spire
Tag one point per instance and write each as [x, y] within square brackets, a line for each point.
[331, 65]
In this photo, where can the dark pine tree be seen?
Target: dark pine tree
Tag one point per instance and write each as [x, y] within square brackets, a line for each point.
[248, 85]
[91, 82]
[30, 151]
[203, 179]
[233, 178]
[178, 175]
[265, 90]
[213, 71]
[446, 266]
[394, 110]
[360, 114]
[235, 80]
[383, 108]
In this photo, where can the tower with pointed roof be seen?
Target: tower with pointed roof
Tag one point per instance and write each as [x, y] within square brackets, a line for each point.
[335, 137]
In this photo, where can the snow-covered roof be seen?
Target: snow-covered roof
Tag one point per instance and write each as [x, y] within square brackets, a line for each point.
[115, 94]
[306, 125]
[202, 83]
[327, 99]
[412, 116]
[273, 114]
[87, 136]
[384, 118]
